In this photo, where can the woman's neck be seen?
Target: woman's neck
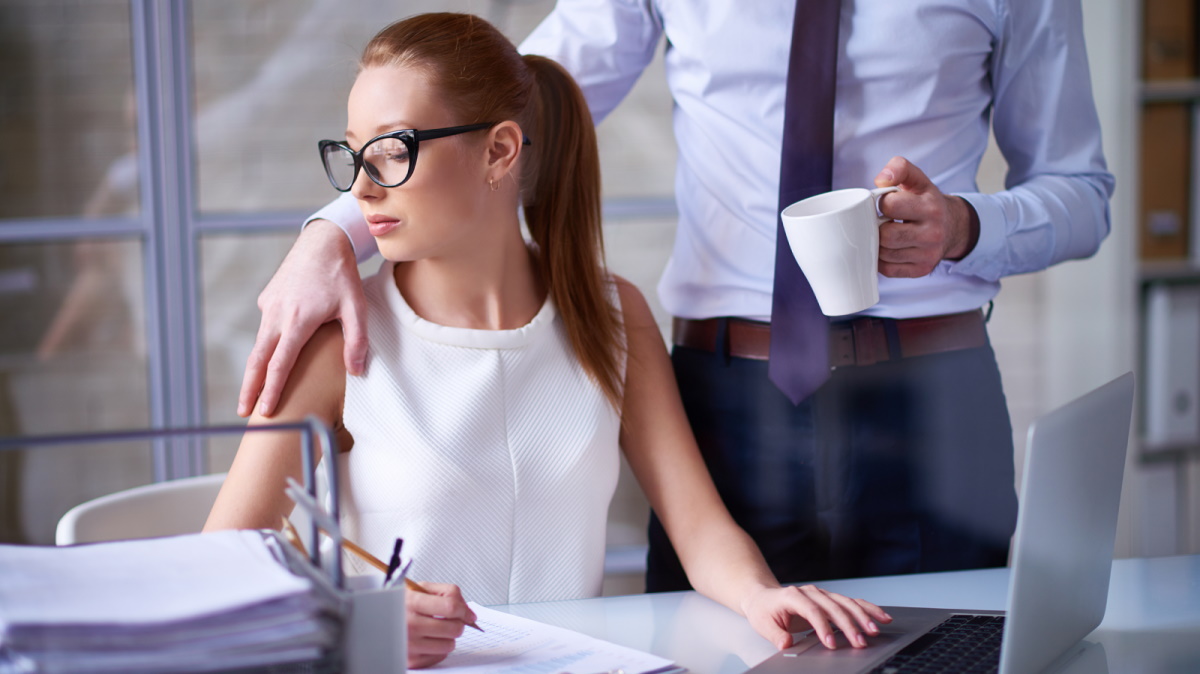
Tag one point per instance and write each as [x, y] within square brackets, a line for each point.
[489, 285]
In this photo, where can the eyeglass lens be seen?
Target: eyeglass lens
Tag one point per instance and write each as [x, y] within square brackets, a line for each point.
[386, 160]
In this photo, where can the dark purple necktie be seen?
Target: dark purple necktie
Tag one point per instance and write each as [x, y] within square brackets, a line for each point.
[799, 358]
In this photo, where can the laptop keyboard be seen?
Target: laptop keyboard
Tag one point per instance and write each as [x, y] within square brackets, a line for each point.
[962, 644]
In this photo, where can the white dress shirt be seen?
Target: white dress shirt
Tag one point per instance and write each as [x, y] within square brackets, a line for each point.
[920, 78]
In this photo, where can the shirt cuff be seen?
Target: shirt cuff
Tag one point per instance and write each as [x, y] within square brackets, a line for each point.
[985, 260]
[345, 213]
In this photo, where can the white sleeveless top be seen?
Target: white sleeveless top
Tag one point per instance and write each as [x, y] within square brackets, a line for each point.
[490, 452]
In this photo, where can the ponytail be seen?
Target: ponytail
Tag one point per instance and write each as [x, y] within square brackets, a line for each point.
[561, 193]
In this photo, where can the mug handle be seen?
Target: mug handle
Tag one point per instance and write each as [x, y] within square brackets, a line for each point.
[876, 194]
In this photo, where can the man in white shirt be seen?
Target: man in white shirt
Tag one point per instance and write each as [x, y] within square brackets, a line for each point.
[902, 461]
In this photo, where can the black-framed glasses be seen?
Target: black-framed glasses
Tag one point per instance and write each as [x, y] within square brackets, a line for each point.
[388, 158]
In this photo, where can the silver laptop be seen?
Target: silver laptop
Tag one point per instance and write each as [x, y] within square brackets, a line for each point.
[1062, 558]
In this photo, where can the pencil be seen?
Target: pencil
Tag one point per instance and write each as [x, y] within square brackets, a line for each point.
[293, 536]
[377, 563]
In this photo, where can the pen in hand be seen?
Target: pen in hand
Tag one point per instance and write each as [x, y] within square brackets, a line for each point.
[378, 564]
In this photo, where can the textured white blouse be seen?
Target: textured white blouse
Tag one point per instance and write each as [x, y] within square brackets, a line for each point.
[490, 452]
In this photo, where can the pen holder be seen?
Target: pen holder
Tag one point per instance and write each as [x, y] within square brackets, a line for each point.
[376, 636]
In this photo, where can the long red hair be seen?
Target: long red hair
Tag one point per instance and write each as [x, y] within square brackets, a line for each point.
[484, 79]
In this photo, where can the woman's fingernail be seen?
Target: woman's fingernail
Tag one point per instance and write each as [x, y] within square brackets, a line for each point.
[829, 640]
[873, 627]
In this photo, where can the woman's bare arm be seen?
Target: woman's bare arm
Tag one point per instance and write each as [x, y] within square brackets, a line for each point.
[253, 495]
[720, 559]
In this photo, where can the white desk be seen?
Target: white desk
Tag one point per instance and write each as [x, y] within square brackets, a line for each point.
[1152, 625]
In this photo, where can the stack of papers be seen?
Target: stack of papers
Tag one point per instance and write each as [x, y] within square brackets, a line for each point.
[196, 603]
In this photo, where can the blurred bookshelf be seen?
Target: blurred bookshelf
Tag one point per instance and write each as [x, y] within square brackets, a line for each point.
[1170, 160]
[1169, 260]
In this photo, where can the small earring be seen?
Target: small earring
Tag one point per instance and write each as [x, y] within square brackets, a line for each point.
[493, 185]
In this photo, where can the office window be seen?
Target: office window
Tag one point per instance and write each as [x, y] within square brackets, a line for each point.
[72, 284]
[135, 234]
[67, 119]
[72, 359]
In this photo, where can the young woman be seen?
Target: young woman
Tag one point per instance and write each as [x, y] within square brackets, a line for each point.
[504, 375]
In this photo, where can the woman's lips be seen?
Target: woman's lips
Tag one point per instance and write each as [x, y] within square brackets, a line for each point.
[381, 226]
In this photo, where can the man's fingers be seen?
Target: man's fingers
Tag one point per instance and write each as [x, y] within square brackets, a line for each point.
[912, 207]
[256, 369]
[902, 172]
[902, 255]
[286, 352]
[907, 270]
[354, 329]
[901, 235]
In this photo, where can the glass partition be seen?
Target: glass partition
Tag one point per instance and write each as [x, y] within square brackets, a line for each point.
[67, 118]
[72, 359]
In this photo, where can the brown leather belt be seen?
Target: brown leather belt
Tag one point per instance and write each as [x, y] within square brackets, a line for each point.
[858, 341]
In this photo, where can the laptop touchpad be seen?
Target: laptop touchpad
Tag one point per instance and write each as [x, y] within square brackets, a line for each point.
[811, 646]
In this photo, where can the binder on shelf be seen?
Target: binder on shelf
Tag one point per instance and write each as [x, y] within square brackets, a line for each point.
[1193, 238]
[1169, 39]
[1172, 352]
[1166, 181]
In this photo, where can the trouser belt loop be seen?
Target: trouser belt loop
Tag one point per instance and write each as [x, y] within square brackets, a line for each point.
[870, 343]
[892, 333]
[722, 344]
[841, 348]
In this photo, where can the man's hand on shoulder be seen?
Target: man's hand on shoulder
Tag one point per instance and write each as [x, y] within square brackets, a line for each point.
[928, 226]
[317, 282]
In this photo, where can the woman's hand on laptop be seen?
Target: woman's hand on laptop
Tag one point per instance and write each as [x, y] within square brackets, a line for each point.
[777, 612]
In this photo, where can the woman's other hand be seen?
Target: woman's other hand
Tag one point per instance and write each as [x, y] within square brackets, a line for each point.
[776, 612]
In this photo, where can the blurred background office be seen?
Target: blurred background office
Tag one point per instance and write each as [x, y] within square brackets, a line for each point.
[158, 156]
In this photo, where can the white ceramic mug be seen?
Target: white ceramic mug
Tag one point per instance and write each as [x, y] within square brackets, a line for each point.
[835, 239]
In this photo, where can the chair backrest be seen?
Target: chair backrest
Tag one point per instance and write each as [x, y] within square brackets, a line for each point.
[160, 509]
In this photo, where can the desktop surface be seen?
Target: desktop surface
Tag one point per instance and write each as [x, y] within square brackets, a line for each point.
[1151, 626]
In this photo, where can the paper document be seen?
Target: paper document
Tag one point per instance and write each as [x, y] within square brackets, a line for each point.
[194, 603]
[512, 644]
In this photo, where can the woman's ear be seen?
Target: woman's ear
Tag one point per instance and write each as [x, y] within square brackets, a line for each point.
[503, 148]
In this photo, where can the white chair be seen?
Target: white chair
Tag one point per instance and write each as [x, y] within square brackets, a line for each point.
[160, 509]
